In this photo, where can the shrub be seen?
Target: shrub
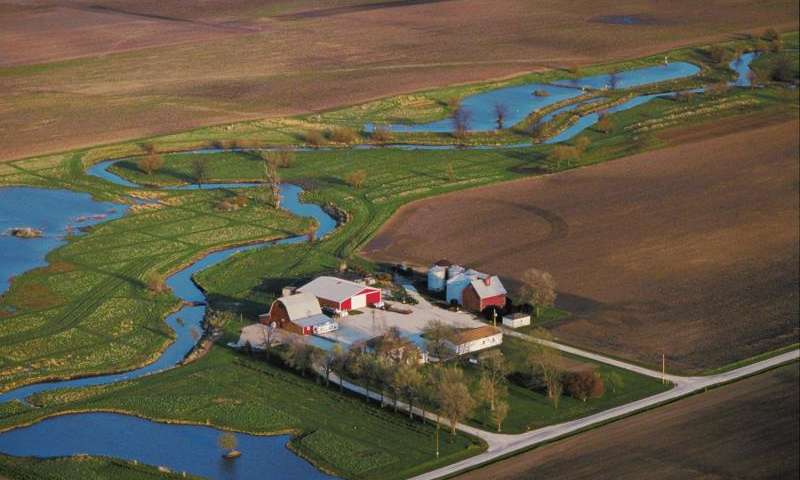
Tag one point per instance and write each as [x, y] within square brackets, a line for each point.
[342, 135]
[782, 70]
[381, 134]
[584, 384]
[718, 54]
[155, 283]
[718, 88]
[604, 124]
[541, 93]
[314, 138]
[150, 163]
[770, 34]
[356, 178]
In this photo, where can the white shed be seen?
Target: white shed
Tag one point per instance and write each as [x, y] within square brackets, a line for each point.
[517, 320]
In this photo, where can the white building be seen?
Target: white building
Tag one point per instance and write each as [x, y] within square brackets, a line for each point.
[474, 339]
[517, 320]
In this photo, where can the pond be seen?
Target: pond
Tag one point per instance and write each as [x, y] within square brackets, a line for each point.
[520, 101]
[181, 448]
[55, 213]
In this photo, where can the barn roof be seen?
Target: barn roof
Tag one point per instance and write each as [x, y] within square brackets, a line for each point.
[313, 320]
[333, 289]
[488, 287]
[472, 334]
[300, 305]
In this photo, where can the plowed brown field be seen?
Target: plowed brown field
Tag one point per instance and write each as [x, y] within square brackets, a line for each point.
[745, 430]
[691, 250]
[120, 69]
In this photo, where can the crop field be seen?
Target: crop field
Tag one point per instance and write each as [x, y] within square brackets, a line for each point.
[745, 430]
[649, 252]
[250, 395]
[89, 311]
[126, 70]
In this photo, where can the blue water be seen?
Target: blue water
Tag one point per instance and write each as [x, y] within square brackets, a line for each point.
[741, 66]
[180, 448]
[187, 318]
[521, 102]
[53, 212]
[635, 78]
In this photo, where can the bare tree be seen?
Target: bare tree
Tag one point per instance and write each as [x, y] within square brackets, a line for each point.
[545, 362]
[356, 178]
[408, 380]
[494, 369]
[272, 178]
[436, 333]
[538, 289]
[381, 134]
[462, 119]
[562, 156]
[151, 162]
[269, 333]
[299, 355]
[500, 413]
[500, 114]
[451, 172]
[339, 365]
[604, 124]
[199, 171]
[454, 398]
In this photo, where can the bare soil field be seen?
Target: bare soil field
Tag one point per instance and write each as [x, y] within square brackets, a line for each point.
[691, 250]
[123, 69]
[745, 430]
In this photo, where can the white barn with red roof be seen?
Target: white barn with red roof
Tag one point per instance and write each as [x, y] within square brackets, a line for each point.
[342, 295]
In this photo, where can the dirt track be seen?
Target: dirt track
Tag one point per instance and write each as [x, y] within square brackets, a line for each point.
[745, 430]
[691, 250]
[145, 67]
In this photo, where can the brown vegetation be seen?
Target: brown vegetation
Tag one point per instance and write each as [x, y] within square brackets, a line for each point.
[151, 67]
[745, 430]
[690, 250]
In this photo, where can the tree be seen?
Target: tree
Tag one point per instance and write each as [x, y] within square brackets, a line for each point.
[582, 143]
[299, 355]
[358, 367]
[462, 119]
[605, 124]
[718, 88]
[770, 34]
[407, 381]
[494, 369]
[339, 365]
[544, 362]
[151, 162]
[500, 114]
[313, 138]
[199, 171]
[155, 283]
[718, 54]
[436, 333]
[562, 156]
[454, 398]
[582, 384]
[451, 171]
[615, 380]
[272, 178]
[538, 289]
[284, 157]
[356, 178]
[343, 135]
[269, 333]
[782, 70]
[499, 414]
[613, 80]
[227, 441]
[776, 45]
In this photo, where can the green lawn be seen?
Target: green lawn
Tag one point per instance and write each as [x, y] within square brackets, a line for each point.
[83, 467]
[231, 390]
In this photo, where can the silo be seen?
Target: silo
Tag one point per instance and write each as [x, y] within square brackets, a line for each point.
[436, 277]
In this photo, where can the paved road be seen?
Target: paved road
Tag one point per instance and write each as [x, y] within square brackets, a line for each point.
[503, 444]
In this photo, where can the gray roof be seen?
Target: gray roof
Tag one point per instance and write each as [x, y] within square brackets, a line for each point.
[300, 305]
[332, 288]
[495, 286]
[320, 319]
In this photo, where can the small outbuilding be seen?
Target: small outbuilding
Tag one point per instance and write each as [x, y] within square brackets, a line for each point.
[299, 313]
[517, 320]
[342, 295]
[474, 339]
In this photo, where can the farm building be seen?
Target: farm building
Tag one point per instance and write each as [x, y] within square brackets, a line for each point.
[342, 295]
[482, 293]
[517, 320]
[299, 313]
[474, 339]
[474, 290]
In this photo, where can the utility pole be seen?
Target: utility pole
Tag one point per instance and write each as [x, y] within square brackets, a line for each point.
[494, 317]
[663, 368]
[437, 439]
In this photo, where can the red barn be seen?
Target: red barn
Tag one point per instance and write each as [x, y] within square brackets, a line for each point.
[342, 295]
[482, 293]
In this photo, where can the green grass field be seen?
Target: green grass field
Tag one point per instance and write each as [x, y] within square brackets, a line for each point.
[89, 313]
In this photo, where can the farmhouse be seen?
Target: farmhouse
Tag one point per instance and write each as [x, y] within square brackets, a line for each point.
[299, 313]
[473, 339]
[517, 320]
[342, 295]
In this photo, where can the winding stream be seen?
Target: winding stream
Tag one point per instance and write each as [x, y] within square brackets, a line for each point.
[193, 448]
